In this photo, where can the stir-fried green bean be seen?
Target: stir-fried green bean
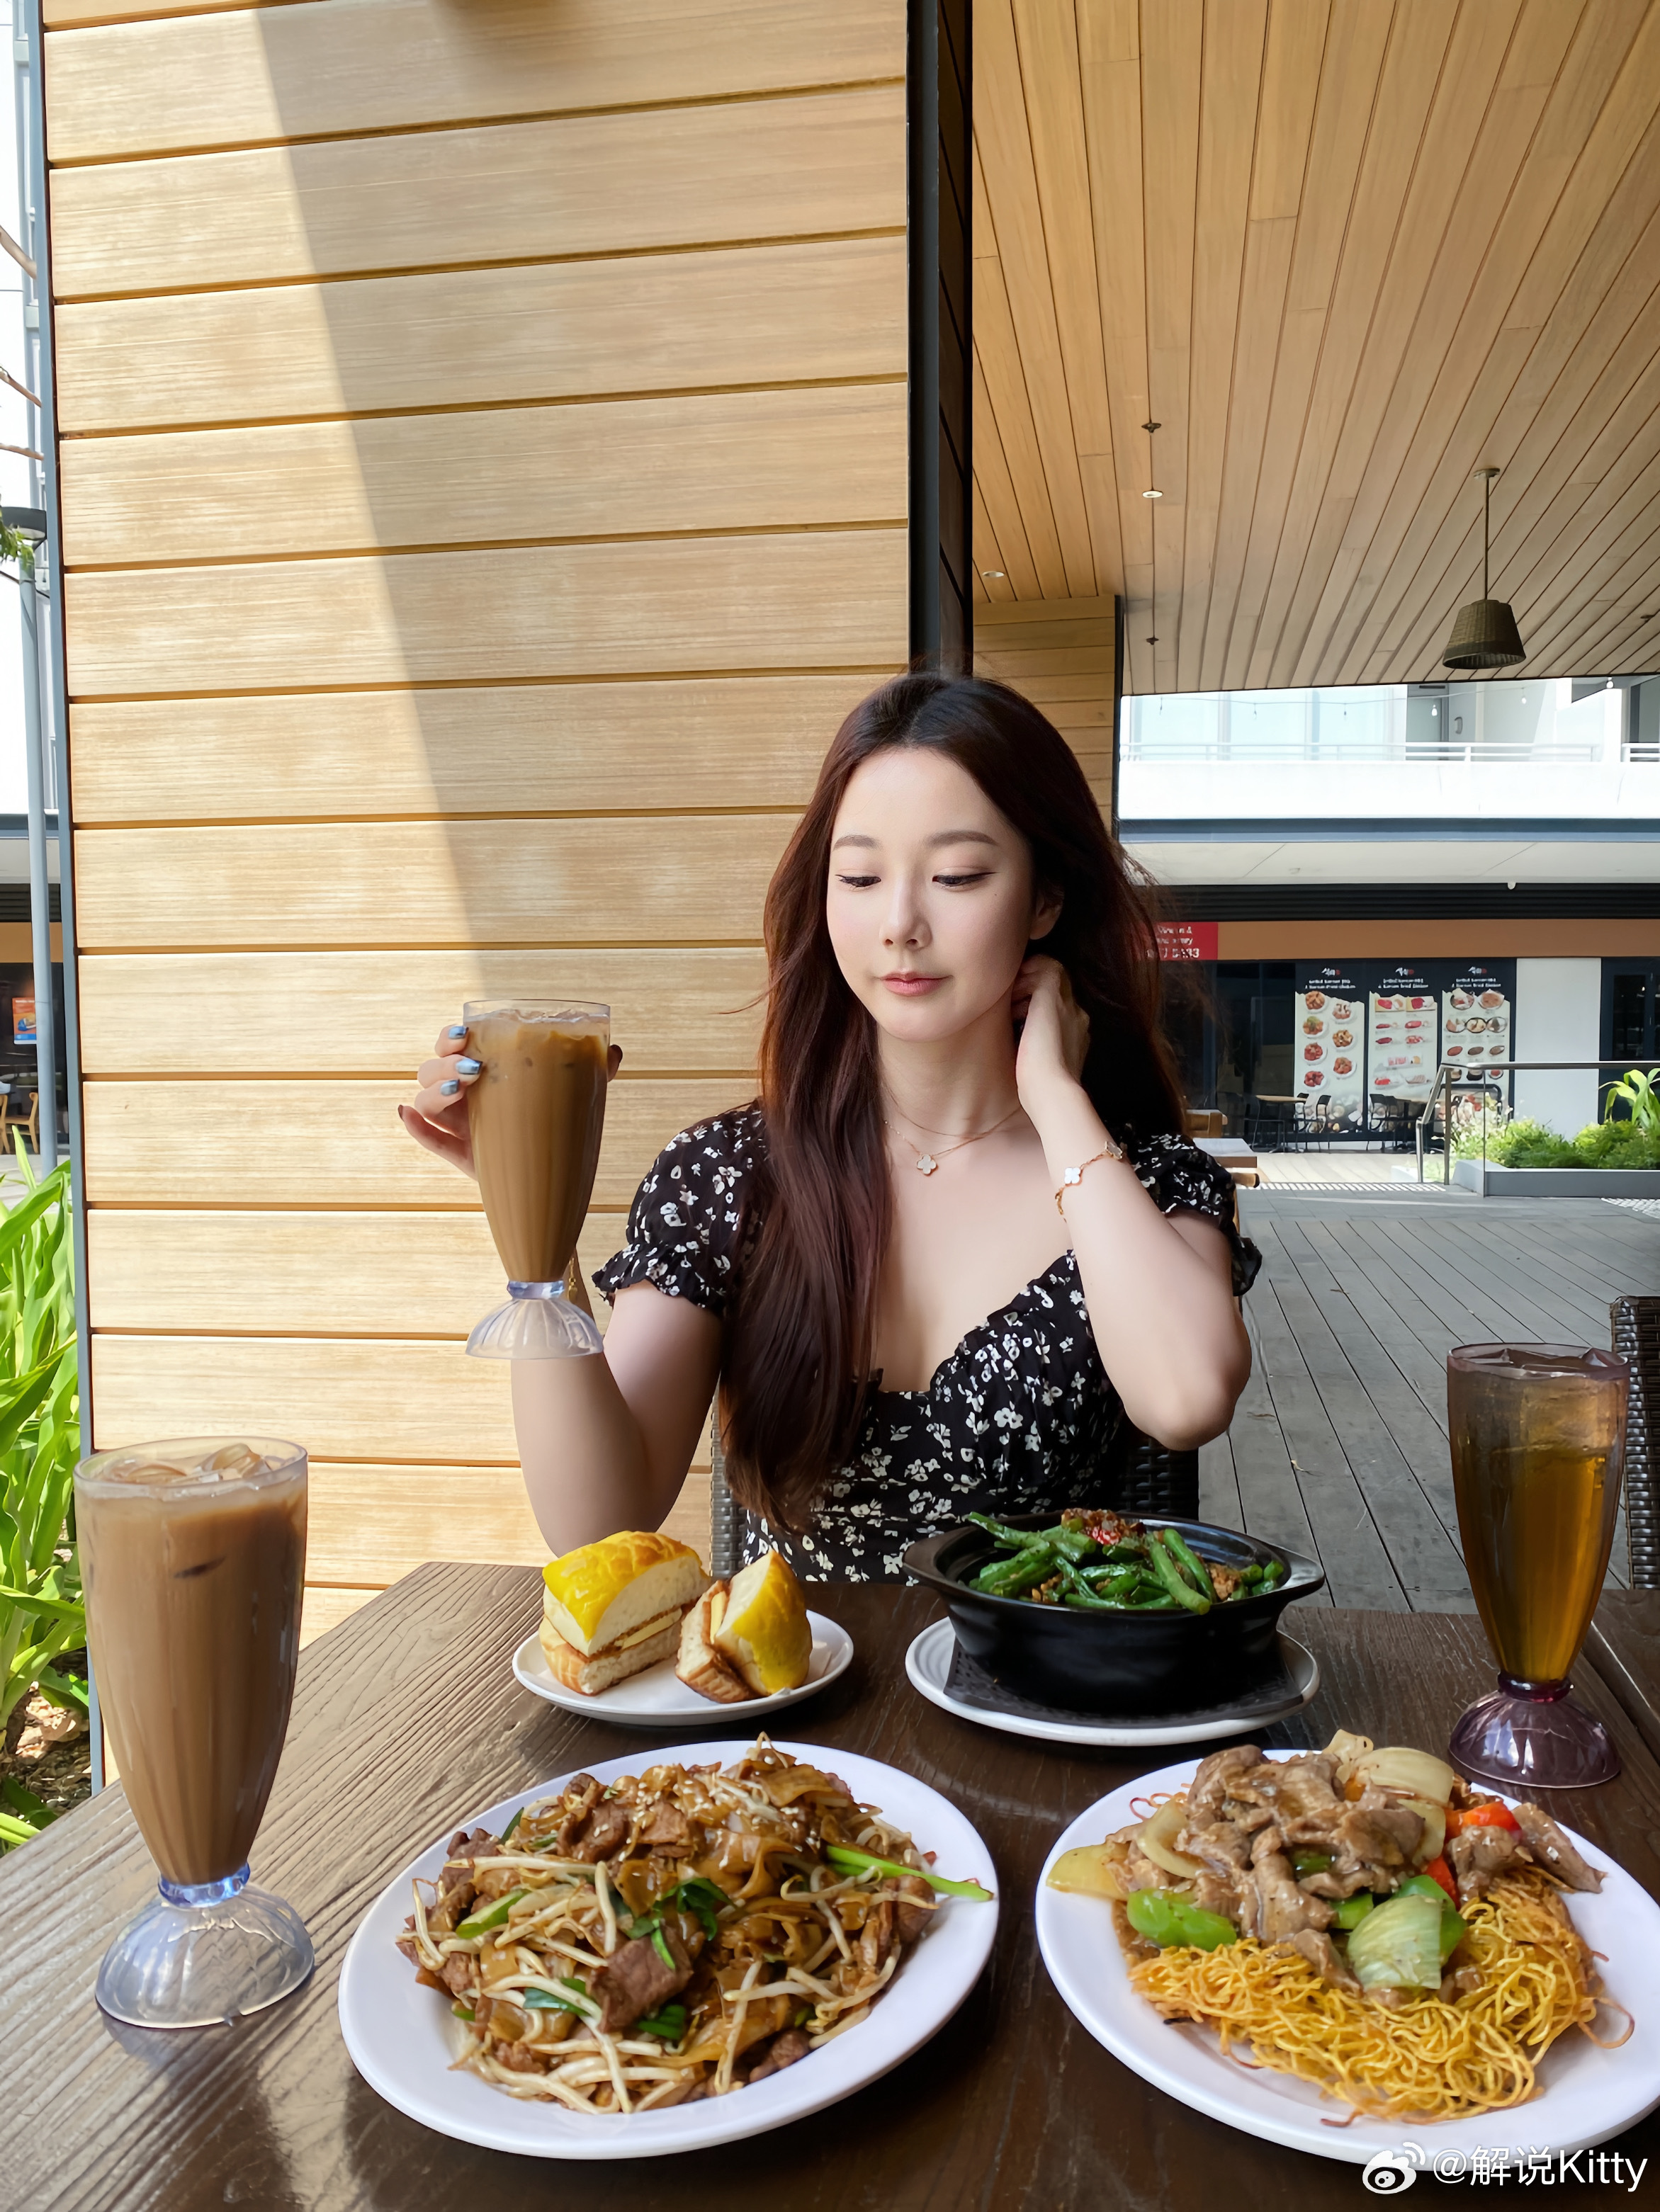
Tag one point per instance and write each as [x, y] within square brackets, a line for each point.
[1125, 1568]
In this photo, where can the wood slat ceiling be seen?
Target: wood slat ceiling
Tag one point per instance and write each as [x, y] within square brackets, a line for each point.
[1344, 252]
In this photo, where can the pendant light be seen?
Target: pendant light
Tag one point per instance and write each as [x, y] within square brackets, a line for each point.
[1485, 634]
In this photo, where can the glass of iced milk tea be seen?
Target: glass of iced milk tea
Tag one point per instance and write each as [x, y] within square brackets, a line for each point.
[193, 1557]
[536, 1113]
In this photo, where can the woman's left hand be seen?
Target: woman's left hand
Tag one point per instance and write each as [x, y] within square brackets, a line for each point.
[1056, 1036]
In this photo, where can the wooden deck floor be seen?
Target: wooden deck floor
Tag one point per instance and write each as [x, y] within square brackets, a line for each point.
[1338, 1446]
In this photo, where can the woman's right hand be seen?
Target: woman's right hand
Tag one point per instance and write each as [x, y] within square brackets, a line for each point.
[438, 1117]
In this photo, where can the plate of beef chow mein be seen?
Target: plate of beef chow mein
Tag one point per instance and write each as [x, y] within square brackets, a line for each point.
[676, 1949]
[1348, 1950]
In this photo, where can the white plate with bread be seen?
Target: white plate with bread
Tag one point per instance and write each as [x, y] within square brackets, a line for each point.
[635, 1632]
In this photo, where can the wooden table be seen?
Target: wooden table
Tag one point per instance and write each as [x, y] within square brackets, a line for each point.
[1624, 1647]
[408, 1718]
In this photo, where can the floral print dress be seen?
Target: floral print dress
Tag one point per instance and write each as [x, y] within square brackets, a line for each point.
[1019, 1418]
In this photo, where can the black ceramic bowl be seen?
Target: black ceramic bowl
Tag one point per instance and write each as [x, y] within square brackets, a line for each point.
[1126, 1664]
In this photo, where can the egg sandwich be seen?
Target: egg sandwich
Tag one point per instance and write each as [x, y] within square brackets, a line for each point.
[613, 1608]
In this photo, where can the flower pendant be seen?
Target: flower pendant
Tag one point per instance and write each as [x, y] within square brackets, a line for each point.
[925, 1163]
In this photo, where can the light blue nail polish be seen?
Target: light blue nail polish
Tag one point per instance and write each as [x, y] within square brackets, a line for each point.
[468, 1067]
[459, 1030]
[448, 1090]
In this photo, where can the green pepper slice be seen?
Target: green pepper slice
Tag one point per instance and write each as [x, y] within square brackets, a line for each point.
[1171, 1921]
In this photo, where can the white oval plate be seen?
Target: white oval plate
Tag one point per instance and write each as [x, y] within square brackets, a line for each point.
[1586, 2094]
[398, 2032]
[658, 1698]
[928, 1663]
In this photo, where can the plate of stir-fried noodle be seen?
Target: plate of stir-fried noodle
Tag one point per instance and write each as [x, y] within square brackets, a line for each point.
[676, 1950]
[1337, 1952]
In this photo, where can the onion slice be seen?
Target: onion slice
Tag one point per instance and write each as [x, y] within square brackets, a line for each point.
[1410, 1773]
[1158, 1840]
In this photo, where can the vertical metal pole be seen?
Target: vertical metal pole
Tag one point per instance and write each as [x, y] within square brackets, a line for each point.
[45, 1025]
[26, 50]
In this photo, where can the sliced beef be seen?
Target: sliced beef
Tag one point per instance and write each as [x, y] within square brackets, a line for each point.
[913, 1905]
[1301, 1786]
[1227, 1894]
[1477, 1855]
[520, 2059]
[604, 1831]
[1268, 1843]
[1282, 1908]
[1371, 1847]
[1324, 1955]
[464, 1847]
[1216, 1778]
[457, 1885]
[460, 1973]
[783, 2051]
[1219, 1845]
[634, 1981]
[666, 1829]
[1552, 1849]
[581, 1795]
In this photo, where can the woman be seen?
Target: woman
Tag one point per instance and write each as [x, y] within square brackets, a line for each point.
[960, 1235]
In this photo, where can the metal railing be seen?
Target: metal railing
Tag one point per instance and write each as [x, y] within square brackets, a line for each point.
[1360, 748]
[1446, 1082]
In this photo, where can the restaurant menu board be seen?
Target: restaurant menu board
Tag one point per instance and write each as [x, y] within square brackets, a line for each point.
[1404, 1036]
[1475, 1018]
[1328, 1051]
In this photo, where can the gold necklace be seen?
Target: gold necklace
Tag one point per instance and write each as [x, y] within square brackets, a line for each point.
[928, 1162]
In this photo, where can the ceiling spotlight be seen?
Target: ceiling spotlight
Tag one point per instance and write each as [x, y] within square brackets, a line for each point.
[1153, 495]
[1153, 640]
[1485, 634]
[994, 575]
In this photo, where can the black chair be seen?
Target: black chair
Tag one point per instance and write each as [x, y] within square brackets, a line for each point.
[1143, 1478]
[1636, 1325]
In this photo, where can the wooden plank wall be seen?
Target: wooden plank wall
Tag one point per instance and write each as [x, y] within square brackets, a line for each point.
[1061, 654]
[485, 485]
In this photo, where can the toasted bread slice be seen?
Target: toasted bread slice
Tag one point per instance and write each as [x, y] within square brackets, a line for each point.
[699, 1666]
[576, 1670]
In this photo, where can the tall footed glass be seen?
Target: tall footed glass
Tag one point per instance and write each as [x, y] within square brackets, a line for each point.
[536, 1113]
[1538, 1434]
[193, 1558]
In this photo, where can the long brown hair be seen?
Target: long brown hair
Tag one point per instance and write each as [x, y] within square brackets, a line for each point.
[797, 1364]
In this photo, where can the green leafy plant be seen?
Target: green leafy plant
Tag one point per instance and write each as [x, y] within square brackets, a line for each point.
[1636, 1093]
[1528, 1144]
[41, 1613]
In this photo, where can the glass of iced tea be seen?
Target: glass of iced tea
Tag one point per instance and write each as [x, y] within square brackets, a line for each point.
[193, 1559]
[536, 1115]
[1538, 1434]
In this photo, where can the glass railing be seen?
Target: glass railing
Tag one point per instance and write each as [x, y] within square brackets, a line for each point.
[1446, 725]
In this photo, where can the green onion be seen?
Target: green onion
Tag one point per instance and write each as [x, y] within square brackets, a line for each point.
[660, 1943]
[703, 1896]
[512, 1823]
[670, 2023]
[493, 1915]
[846, 1859]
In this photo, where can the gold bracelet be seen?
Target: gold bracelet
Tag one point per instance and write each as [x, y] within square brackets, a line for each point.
[1071, 1176]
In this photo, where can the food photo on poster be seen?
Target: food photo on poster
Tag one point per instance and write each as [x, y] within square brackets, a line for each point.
[1329, 1044]
[1476, 1013]
[1404, 1039]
